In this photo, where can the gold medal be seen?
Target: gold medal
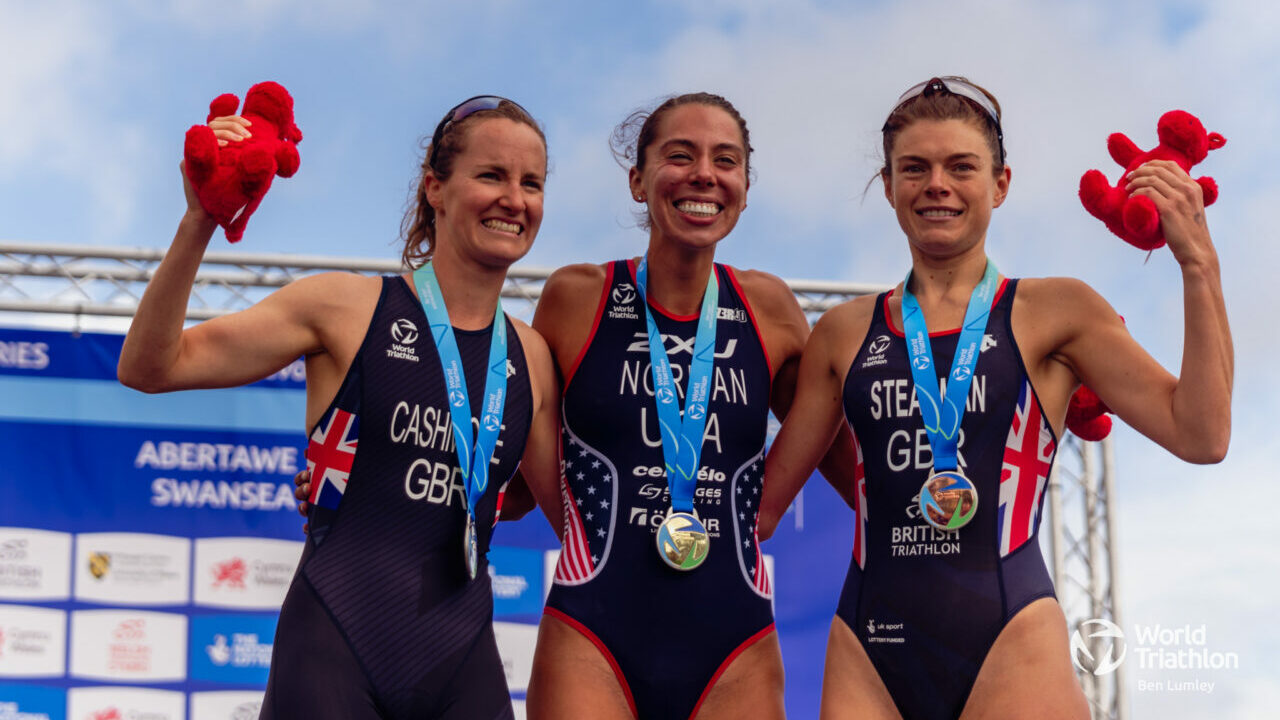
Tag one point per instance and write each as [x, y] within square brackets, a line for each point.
[683, 541]
[948, 500]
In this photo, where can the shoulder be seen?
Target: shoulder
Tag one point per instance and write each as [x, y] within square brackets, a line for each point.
[331, 296]
[768, 294]
[535, 347]
[1061, 299]
[843, 328]
[571, 280]
[537, 358]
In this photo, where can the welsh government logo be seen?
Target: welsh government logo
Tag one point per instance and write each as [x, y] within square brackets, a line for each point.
[230, 573]
[624, 294]
[879, 345]
[1106, 638]
[404, 332]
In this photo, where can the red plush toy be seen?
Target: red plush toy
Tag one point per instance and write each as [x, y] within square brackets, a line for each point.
[231, 180]
[1133, 217]
[1087, 416]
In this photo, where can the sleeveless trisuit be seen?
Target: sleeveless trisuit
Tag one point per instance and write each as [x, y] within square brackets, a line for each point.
[667, 634]
[928, 604]
[382, 620]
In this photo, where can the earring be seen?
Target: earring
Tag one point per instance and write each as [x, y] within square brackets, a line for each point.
[639, 197]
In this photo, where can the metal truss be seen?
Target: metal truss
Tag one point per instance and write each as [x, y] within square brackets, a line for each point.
[1083, 559]
[92, 281]
[85, 280]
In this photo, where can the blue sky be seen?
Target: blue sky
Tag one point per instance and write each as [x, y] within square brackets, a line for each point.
[94, 98]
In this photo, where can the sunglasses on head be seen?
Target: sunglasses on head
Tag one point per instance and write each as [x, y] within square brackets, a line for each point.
[961, 87]
[462, 110]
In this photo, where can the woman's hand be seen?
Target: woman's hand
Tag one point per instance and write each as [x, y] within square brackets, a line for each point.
[1180, 201]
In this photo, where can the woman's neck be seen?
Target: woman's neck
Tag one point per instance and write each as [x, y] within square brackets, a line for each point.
[678, 276]
[947, 280]
[470, 290]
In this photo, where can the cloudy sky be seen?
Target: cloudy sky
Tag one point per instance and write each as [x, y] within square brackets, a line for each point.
[94, 98]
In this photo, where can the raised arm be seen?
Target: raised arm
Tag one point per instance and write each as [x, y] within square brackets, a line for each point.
[159, 355]
[1189, 415]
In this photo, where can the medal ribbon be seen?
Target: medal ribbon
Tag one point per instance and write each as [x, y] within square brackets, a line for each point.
[473, 461]
[942, 415]
[682, 438]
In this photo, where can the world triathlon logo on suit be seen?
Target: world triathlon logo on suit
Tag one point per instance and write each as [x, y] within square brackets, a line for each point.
[403, 335]
[876, 350]
[624, 298]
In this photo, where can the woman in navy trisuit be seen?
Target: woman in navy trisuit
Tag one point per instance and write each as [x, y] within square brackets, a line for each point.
[947, 610]
[624, 633]
[389, 614]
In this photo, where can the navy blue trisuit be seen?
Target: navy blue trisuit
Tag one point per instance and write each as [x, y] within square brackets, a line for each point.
[928, 604]
[667, 634]
[382, 619]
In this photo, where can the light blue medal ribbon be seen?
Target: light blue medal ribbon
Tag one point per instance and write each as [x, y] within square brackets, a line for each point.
[473, 460]
[682, 540]
[942, 414]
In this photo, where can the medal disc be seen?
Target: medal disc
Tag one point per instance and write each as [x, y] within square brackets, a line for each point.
[470, 548]
[948, 500]
[683, 541]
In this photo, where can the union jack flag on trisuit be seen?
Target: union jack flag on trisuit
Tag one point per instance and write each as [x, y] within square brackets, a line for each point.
[330, 455]
[1028, 457]
[859, 507]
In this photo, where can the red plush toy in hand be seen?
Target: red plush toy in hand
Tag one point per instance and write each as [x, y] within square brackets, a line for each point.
[1133, 217]
[231, 180]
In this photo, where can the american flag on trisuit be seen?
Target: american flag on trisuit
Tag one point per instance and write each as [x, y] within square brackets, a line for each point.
[330, 456]
[747, 484]
[588, 511]
[1028, 457]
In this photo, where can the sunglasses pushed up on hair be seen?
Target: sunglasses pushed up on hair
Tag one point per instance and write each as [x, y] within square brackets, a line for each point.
[463, 109]
[963, 88]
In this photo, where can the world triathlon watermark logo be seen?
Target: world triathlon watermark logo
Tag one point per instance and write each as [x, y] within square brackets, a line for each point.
[1099, 647]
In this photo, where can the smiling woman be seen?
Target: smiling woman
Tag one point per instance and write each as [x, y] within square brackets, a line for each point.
[947, 609]
[388, 613]
[662, 604]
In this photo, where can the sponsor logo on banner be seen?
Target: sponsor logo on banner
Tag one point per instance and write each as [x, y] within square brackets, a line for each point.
[231, 648]
[34, 564]
[245, 573]
[120, 703]
[23, 355]
[30, 702]
[132, 568]
[226, 705]
[33, 642]
[516, 575]
[128, 646]
[515, 647]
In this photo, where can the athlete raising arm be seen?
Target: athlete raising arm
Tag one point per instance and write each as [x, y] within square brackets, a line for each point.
[948, 610]
[389, 612]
